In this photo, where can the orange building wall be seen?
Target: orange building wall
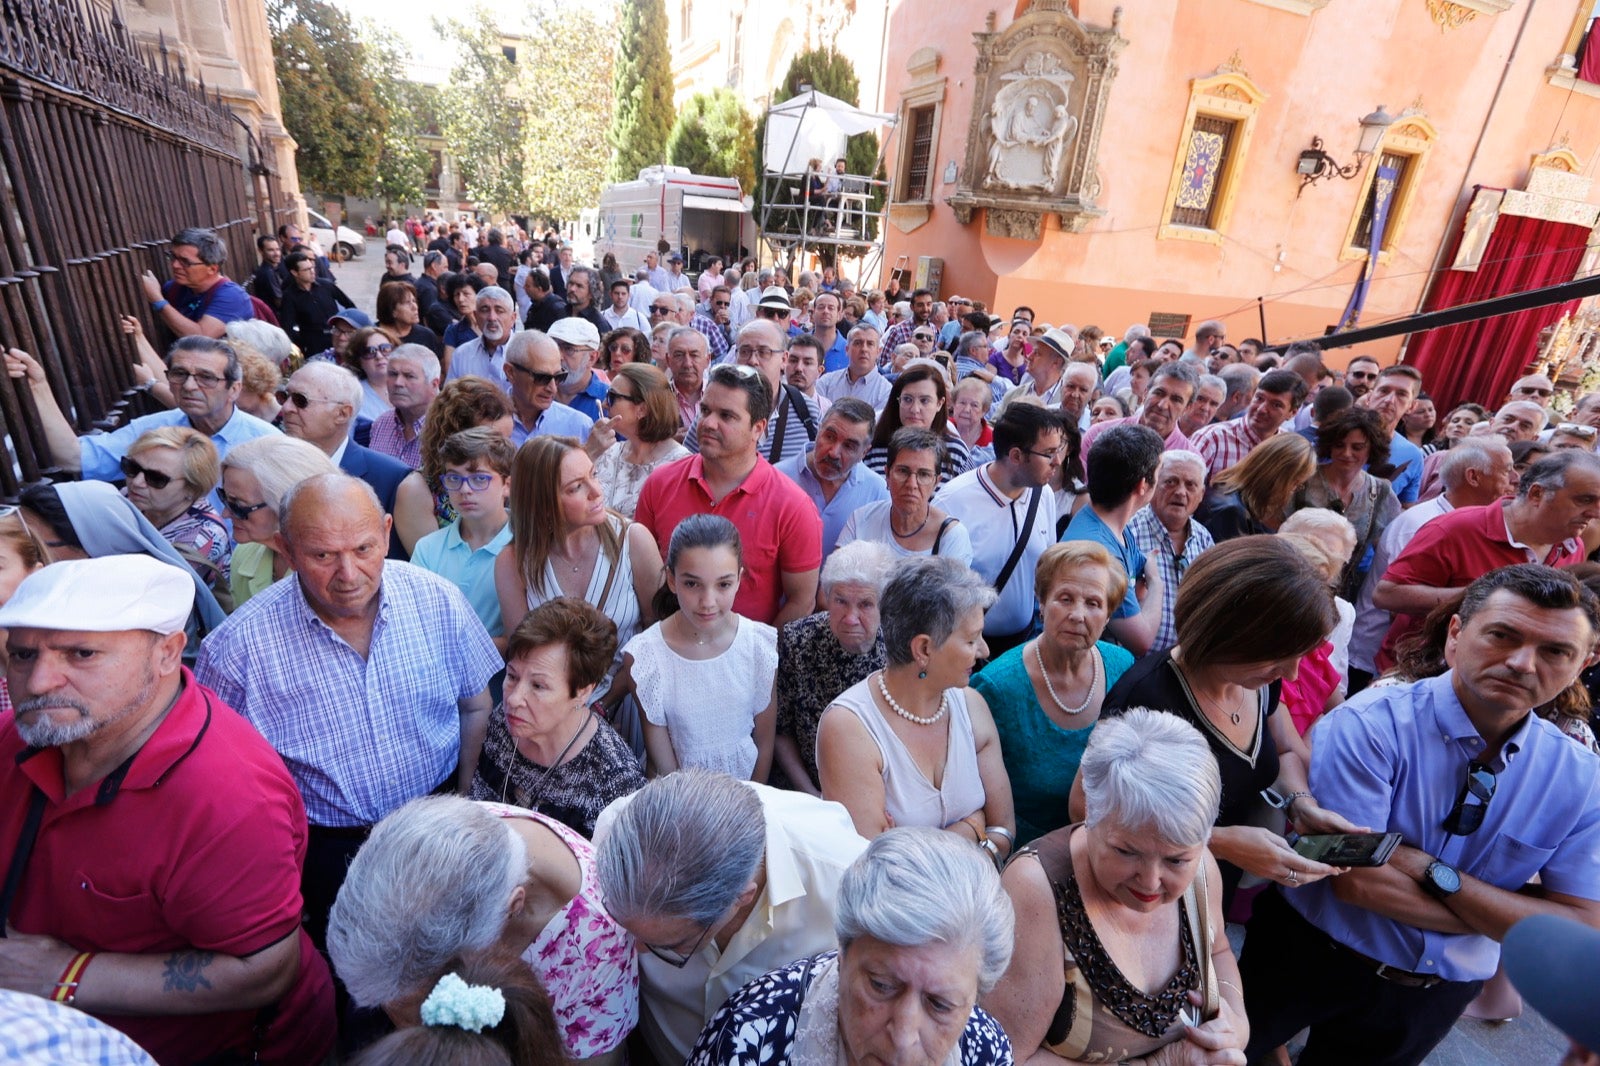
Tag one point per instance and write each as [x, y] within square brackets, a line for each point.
[1321, 74]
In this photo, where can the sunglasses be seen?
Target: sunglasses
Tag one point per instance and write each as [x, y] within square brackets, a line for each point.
[301, 400]
[612, 396]
[738, 372]
[661, 310]
[154, 478]
[535, 376]
[239, 510]
[1465, 818]
[375, 350]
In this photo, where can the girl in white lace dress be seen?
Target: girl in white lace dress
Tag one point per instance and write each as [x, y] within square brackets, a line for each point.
[703, 675]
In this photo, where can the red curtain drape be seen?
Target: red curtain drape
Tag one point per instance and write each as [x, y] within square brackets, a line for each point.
[1479, 360]
[1589, 57]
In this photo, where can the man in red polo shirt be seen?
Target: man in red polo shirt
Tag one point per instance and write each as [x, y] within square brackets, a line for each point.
[153, 837]
[780, 531]
[1558, 496]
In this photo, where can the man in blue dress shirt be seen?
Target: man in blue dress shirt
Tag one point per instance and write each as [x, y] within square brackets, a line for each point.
[1381, 961]
[831, 471]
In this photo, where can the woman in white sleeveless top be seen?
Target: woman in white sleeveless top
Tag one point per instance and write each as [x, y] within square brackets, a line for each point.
[564, 542]
[913, 744]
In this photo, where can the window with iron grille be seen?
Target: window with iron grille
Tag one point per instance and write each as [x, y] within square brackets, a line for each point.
[1205, 167]
[1363, 237]
[916, 182]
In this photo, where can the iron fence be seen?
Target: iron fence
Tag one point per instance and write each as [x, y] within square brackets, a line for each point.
[107, 149]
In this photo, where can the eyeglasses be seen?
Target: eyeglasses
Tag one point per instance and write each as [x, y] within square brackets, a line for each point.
[612, 396]
[376, 351]
[719, 303]
[301, 400]
[921, 477]
[176, 258]
[1054, 456]
[177, 375]
[239, 510]
[537, 377]
[478, 481]
[676, 959]
[1465, 818]
[154, 478]
[744, 351]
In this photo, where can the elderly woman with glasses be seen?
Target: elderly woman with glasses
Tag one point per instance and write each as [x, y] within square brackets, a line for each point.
[256, 475]
[924, 930]
[1121, 954]
[913, 743]
[368, 358]
[644, 416]
[824, 654]
[443, 877]
[170, 473]
[908, 523]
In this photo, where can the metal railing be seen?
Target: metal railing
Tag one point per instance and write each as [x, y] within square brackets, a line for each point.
[106, 151]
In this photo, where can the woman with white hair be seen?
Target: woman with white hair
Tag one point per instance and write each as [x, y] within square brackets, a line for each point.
[823, 654]
[924, 929]
[256, 476]
[443, 877]
[1123, 956]
[914, 743]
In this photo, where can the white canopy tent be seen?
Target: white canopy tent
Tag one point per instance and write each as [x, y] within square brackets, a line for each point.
[811, 126]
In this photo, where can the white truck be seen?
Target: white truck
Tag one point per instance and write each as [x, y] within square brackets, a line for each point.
[691, 212]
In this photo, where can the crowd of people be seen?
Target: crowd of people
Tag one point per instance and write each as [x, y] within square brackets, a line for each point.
[747, 672]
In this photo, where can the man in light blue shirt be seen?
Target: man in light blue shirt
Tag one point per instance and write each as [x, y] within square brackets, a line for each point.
[205, 380]
[831, 471]
[485, 355]
[1394, 395]
[536, 372]
[1486, 796]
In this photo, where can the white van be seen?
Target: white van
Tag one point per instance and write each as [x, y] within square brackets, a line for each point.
[691, 212]
[346, 244]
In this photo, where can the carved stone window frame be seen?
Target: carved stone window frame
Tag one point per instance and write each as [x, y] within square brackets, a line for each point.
[925, 89]
[1411, 135]
[1229, 95]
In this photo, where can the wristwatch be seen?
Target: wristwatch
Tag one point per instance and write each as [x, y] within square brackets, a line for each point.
[1441, 880]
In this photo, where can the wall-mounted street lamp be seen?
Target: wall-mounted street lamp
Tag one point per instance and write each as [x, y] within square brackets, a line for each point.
[1316, 164]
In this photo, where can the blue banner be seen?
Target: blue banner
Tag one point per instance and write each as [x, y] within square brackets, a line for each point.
[1384, 185]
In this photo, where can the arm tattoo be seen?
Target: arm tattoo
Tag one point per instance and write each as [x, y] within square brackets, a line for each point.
[185, 971]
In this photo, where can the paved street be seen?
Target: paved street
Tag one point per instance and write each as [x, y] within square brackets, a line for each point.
[359, 277]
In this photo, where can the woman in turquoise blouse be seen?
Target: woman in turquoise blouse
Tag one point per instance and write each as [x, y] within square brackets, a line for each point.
[1046, 694]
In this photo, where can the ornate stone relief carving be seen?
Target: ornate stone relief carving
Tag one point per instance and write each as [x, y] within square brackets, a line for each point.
[1034, 132]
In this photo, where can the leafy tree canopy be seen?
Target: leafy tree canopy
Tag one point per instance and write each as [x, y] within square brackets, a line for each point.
[715, 135]
[643, 114]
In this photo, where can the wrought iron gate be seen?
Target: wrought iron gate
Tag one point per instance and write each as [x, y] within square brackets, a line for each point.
[106, 150]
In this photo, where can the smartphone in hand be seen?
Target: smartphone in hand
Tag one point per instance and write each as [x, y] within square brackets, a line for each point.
[1348, 849]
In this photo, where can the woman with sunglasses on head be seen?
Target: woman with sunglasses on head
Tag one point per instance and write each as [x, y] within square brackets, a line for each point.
[644, 415]
[170, 473]
[21, 553]
[256, 476]
[623, 346]
[368, 358]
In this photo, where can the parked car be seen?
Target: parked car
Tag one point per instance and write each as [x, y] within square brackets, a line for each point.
[346, 245]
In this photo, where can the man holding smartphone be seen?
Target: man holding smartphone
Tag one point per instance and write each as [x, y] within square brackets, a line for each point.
[1381, 961]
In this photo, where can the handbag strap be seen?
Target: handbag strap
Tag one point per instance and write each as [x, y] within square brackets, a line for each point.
[1022, 543]
[19, 857]
[1197, 902]
[938, 537]
[616, 564]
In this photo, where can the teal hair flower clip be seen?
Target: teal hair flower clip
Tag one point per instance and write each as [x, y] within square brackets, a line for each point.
[471, 1007]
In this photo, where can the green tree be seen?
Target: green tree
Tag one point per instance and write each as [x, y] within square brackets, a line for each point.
[403, 162]
[330, 105]
[642, 90]
[715, 135]
[483, 113]
[565, 151]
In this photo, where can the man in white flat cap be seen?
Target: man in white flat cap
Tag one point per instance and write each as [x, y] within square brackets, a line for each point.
[578, 341]
[151, 839]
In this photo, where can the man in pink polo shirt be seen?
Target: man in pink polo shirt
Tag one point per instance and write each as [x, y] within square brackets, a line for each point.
[1170, 391]
[1559, 495]
[779, 528]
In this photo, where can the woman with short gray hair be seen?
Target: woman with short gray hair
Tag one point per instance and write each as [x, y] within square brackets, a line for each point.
[256, 476]
[920, 915]
[823, 654]
[914, 743]
[443, 877]
[1129, 900]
